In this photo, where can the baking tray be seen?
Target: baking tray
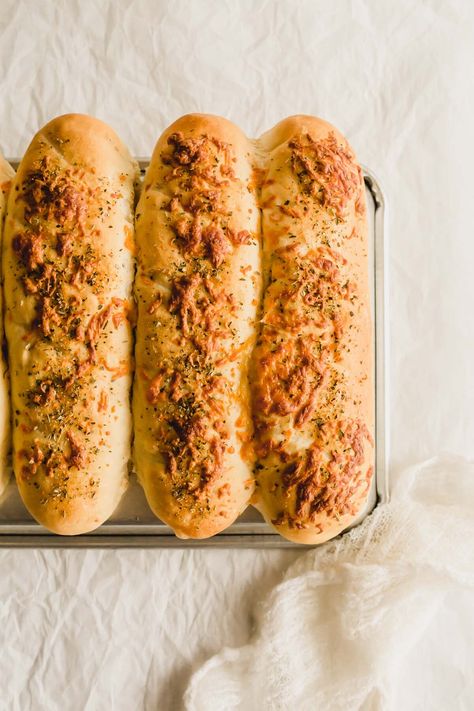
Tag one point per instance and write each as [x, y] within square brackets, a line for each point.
[133, 525]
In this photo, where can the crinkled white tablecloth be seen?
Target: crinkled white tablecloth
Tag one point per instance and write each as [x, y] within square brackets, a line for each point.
[124, 629]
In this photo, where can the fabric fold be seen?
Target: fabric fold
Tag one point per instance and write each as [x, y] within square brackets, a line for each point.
[336, 634]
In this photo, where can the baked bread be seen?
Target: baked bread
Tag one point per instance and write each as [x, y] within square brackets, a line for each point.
[312, 370]
[6, 176]
[68, 267]
[197, 288]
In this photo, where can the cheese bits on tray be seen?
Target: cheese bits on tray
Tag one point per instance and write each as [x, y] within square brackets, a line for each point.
[6, 176]
[253, 357]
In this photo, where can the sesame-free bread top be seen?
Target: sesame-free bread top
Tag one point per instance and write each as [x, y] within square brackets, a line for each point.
[68, 266]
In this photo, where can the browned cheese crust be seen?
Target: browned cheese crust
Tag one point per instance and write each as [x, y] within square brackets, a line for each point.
[6, 176]
[197, 287]
[312, 379]
[68, 269]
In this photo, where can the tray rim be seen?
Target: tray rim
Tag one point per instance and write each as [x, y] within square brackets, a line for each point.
[248, 534]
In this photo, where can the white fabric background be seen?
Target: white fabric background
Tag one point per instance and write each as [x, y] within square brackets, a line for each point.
[379, 619]
[123, 630]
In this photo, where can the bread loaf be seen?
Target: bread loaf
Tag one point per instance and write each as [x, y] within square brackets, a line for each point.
[312, 370]
[68, 269]
[6, 176]
[197, 287]
[254, 352]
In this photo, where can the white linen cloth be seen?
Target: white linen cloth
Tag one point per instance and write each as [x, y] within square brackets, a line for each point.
[355, 623]
[124, 629]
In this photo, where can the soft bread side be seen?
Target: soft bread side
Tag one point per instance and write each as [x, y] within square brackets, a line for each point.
[68, 266]
[312, 370]
[6, 175]
[197, 288]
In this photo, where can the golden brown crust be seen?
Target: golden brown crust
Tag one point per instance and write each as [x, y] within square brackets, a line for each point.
[311, 376]
[68, 277]
[197, 287]
[6, 176]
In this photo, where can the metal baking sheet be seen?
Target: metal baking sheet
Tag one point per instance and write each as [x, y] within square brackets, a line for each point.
[133, 525]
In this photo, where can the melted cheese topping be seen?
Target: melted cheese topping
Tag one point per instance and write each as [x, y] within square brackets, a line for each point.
[197, 289]
[310, 378]
[68, 284]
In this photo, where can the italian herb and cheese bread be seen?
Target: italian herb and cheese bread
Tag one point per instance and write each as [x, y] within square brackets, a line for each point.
[198, 290]
[254, 353]
[6, 176]
[311, 373]
[68, 272]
